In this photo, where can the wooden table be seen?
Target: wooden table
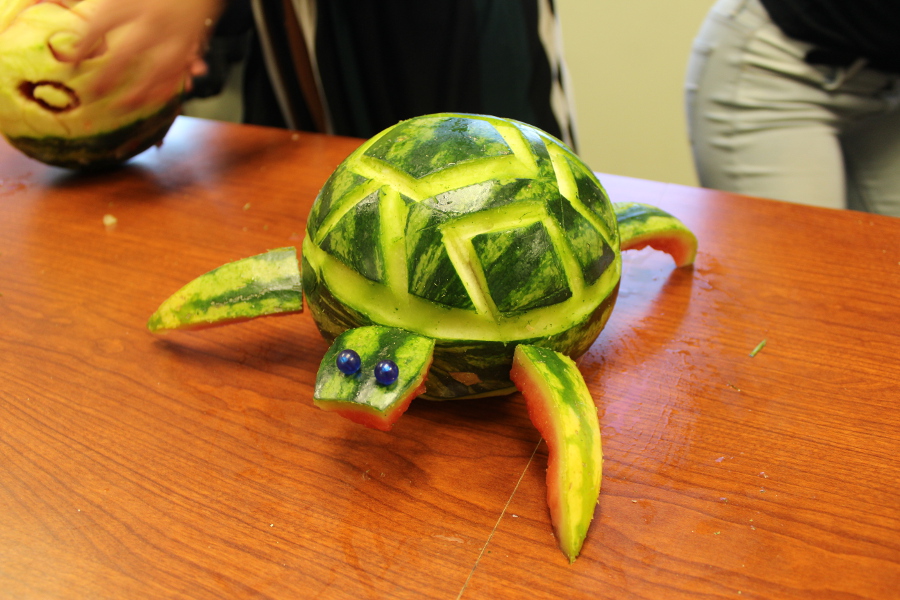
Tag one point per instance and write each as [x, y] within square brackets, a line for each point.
[195, 465]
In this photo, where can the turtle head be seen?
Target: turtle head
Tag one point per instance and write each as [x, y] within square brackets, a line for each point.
[371, 374]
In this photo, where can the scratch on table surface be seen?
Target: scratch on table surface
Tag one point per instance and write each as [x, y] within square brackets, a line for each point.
[497, 524]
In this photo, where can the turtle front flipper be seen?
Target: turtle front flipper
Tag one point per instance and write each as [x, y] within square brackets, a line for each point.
[561, 408]
[258, 286]
[371, 374]
[642, 225]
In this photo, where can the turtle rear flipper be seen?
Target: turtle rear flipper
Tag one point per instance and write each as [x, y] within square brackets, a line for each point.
[371, 374]
[642, 225]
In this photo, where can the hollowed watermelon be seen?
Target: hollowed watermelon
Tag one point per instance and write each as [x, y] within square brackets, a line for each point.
[47, 109]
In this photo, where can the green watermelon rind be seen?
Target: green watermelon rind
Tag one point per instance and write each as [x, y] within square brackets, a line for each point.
[104, 150]
[446, 214]
[642, 225]
[359, 396]
[525, 140]
[458, 358]
[261, 285]
[562, 410]
[386, 306]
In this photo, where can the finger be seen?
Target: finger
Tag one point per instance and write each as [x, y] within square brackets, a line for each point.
[198, 68]
[113, 70]
[160, 82]
[159, 93]
[101, 16]
[161, 63]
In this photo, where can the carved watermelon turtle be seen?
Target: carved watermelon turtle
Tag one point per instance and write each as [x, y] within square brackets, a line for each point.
[455, 256]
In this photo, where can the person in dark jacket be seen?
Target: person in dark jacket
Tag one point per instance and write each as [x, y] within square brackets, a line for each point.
[356, 67]
[798, 100]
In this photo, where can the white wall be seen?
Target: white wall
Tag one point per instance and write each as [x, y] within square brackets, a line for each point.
[626, 61]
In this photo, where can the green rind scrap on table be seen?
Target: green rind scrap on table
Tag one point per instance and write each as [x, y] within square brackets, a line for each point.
[411, 352]
[758, 348]
[573, 438]
[103, 150]
[265, 284]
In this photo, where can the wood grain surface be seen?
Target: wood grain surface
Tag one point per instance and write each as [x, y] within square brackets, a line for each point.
[194, 465]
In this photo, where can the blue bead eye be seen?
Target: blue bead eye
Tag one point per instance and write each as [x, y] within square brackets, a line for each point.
[348, 362]
[386, 372]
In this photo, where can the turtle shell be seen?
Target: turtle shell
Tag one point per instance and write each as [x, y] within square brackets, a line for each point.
[480, 232]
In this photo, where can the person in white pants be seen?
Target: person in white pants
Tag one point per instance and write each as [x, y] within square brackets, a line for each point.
[773, 116]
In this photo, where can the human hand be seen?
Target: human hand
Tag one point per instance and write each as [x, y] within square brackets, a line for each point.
[168, 35]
